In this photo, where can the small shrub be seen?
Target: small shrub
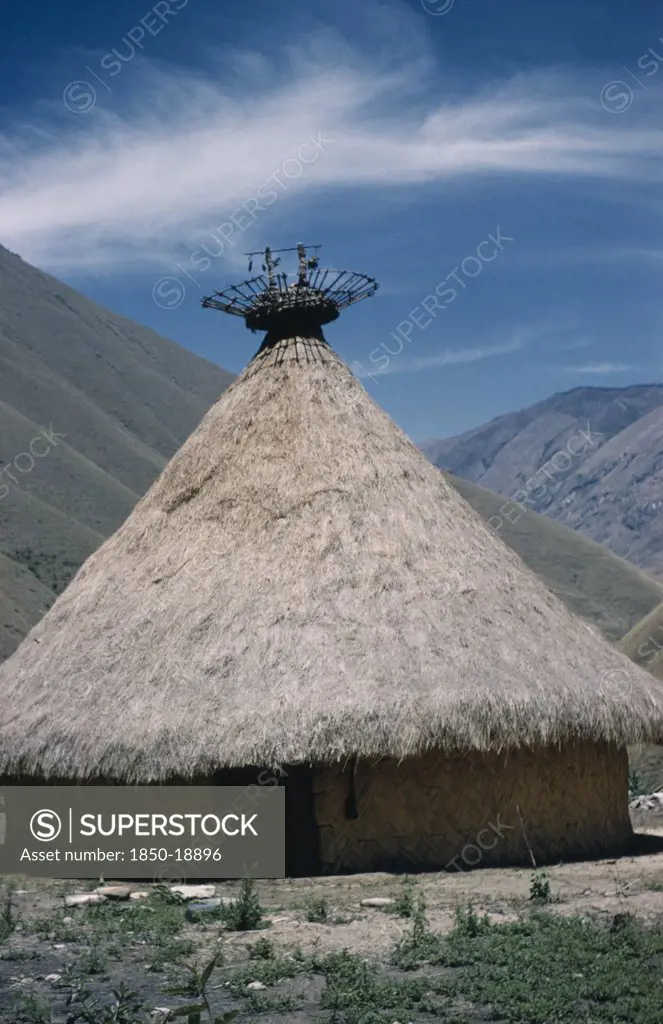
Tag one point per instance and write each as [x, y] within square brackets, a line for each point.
[53, 927]
[31, 1010]
[157, 920]
[172, 952]
[539, 887]
[636, 786]
[622, 923]
[469, 924]
[420, 946]
[316, 910]
[267, 970]
[245, 913]
[92, 962]
[355, 994]
[404, 905]
[127, 1007]
[261, 949]
[8, 916]
[196, 986]
[165, 895]
[261, 1002]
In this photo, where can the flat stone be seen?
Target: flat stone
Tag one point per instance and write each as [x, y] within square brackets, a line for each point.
[52, 977]
[194, 892]
[114, 892]
[67, 920]
[256, 986]
[377, 901]
[140, 894]
[83, 899]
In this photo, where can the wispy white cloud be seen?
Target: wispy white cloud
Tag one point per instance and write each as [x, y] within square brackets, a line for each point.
[445, 358]
[599, 368]
[107, 189]
[587, 256]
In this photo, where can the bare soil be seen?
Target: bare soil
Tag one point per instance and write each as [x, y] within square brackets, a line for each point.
[603, 888]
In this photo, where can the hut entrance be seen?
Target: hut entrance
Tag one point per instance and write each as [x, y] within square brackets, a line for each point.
[302, 856]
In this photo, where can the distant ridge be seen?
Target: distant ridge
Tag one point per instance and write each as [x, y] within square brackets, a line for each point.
[123, 397]
[610, 490]
[592, 582]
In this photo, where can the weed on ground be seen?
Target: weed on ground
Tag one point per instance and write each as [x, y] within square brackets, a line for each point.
[117, 962]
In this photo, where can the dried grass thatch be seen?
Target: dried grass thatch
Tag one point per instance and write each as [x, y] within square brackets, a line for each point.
[300, 585]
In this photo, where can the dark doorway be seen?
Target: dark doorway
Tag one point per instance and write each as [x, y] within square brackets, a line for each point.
[302, 857]
[301, 844]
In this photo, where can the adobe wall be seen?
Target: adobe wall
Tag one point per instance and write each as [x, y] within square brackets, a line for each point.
[434, 811]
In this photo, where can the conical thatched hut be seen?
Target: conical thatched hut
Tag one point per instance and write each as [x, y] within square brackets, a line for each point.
[302, 587]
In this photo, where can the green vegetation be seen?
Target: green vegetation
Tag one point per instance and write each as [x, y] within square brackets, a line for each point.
[543, 968]
[355, 994]
[404, 905]
[196, 986]
[245, 913]
[539, 889]
[316, 910]
[552, 968]
[29, 1009]
[549, 968]
[8, 916]
[262, 949]
[636, 786]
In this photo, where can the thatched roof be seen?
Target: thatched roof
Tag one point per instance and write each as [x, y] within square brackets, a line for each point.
[302, 584]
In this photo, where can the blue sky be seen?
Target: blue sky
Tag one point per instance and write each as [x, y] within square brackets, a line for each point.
[140, 146]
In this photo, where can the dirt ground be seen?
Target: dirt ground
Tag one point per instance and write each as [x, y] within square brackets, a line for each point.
[603, 888]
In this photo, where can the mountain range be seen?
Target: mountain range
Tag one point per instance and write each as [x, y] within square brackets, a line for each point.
[92, 406]
[589, 458]
[116, 400]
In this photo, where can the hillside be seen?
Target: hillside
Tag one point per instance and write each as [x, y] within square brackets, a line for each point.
[592, 582]
[644, 645]
[605, 482]
[118, 399]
